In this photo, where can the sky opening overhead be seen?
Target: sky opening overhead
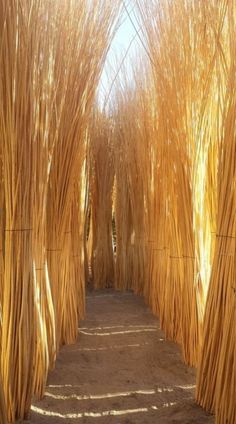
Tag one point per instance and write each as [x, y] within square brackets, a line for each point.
[122, 50]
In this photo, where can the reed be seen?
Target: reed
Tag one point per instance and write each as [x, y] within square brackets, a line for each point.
[147, 157]
[183, 186]
[89, 41]
[2, 225]
[45, 87]
[216, 389]
[161, 165]
[3, 415]
[101, 174]
[130, 211]
[122, 212]
[185, 58]
[17, 129]
[46, 98]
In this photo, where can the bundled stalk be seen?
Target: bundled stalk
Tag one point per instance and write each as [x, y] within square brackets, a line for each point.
[87, 227]
[101, 182]
[87, 31]
[3, 415]
[17, 116]
[185, 56]
[191, 49]
[163, 166]
[2, 234]
[77, 251]
[216, 388]
[46, 96]
[147, 159]
[192, 53]
[46, 86]
[123, 214]
[130, 211]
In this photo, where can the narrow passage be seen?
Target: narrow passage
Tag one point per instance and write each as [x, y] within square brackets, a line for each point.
[121, 371]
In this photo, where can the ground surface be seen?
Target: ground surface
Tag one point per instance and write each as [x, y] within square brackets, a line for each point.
[121, 371]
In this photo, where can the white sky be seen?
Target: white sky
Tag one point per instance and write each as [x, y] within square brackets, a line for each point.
[118, 50]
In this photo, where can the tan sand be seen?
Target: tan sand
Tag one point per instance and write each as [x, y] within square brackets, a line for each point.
[121, 371]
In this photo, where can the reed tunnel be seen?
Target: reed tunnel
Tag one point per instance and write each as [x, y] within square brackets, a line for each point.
[117, 211]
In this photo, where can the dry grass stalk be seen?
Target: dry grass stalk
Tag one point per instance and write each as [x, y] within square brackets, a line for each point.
[89, 41]
[46, 97]
[101, 187]
[184, 67]
[122, 213]
[130, 189]
[3, 414]
[193, 69]
[216, 389]
[17, 130]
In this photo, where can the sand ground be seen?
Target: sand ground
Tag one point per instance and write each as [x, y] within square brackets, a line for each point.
[120, 371]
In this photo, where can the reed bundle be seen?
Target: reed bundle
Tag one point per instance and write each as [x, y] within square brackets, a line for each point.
[122, 212]
[84, 67]
[186, 186]
[51, 59]
[216, 388]
[3, 418]
[130, 154]
[2, 220]
[185, 59]
[17, 114]
[3, 415]
[162, 166]
[147, 158]
[45, 84]
[101, 189]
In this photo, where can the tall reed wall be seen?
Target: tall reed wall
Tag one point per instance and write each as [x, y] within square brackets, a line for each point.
[51, 57]
[176, 151]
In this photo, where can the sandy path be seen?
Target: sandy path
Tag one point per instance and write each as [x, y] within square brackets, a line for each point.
[121, 371]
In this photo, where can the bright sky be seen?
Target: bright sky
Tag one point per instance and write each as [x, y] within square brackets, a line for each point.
[125, 33]
[118, 50]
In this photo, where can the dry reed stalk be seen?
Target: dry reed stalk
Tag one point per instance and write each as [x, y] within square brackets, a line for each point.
[144, 158]
[190, 73]
[2, 226]
[88, 248]
[101, 188]
[86, 32]
[87, 226]
[46, 97]
[73, 289]
[184, 68]
[122, 214]
[78, 253]
[135, 163]
[17, 128]
[216, 387]
[194, 121]
[130, 201]
[45, 86]
[3, 414]
[176, 288]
